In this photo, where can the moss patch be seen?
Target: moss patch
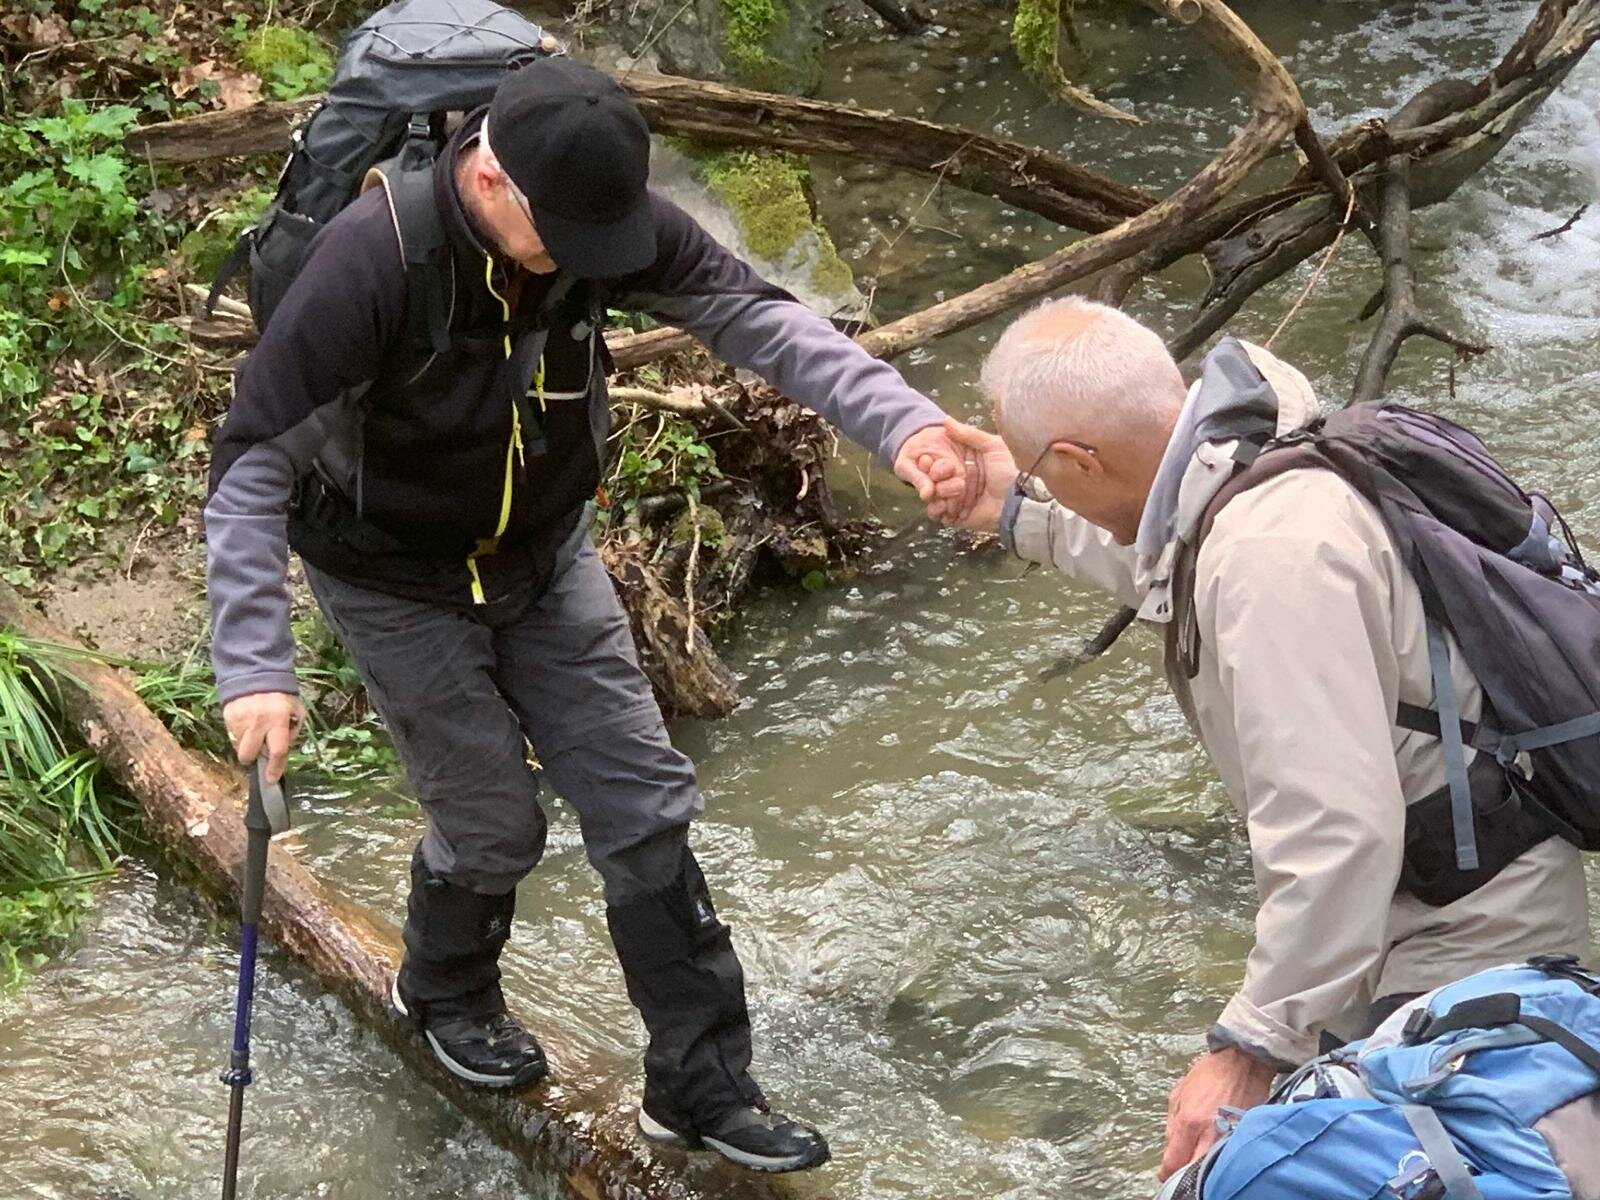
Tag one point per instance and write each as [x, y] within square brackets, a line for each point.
[713, 532]
[749, 30]
[290, 61]
[768, 195]
[1034, 32]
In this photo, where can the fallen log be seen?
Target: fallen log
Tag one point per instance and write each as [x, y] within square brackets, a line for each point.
[579, 1135]
[1402, 317]
[630, 350]
[230, 327]
[714, 113]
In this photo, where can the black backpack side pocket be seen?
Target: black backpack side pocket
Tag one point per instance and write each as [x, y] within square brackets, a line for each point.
[278, 248]
[1505, 829]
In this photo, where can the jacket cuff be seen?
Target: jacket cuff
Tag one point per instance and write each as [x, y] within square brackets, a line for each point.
[1246, 1028]
[1030, 531]
[257, 681]
[1008, 520]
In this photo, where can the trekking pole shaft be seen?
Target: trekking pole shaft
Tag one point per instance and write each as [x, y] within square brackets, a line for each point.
[251, 891]
[230, 1165]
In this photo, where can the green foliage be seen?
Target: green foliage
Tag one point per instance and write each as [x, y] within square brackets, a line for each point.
[84, 378]
[344, 738]
[291, 61]
[768, 193]
[207, 244]
[749, 28]
[651, 460]
[60, 827]
[65, 188]
[1035, 30]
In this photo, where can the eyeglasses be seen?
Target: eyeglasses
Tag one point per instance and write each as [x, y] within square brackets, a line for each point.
[1026, 479]
[522, 201]
[511, 187]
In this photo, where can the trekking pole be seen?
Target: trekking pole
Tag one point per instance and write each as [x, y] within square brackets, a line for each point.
[267, 814]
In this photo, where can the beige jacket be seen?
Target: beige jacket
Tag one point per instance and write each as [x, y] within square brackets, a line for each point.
[1311, 632]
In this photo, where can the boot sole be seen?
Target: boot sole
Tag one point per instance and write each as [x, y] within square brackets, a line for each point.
[527, 1075]
[662, 1135]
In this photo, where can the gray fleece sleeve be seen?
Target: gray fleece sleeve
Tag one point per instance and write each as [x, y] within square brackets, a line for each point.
[700, 285]
[325, 339]
[247, 562]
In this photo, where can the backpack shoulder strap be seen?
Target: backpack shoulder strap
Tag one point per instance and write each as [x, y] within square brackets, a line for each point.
[1256, 463]
[1271, 461]
[424, 250]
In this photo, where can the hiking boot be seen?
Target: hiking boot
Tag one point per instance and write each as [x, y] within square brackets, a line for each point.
[752, 1137]
[490, 1050]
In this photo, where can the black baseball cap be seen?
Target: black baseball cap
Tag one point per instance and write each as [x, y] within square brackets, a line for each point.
[579, 151]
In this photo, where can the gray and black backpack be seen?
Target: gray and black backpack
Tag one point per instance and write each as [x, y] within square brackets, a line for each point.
[1499, 569]
[402, 73]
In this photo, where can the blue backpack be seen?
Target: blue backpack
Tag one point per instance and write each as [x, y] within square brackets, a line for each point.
[1488, 1089]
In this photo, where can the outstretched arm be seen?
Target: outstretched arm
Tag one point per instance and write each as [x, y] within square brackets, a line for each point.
[696, 283]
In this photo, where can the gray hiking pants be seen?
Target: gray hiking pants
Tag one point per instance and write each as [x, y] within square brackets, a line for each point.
[463, 690]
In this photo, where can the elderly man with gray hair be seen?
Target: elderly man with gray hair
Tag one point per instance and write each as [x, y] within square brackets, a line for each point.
[1292, 635]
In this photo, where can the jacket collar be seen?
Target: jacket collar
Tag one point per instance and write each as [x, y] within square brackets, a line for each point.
[468, 240]
[1241, 388]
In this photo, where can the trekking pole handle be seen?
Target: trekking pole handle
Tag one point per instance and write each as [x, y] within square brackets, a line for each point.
[266, 814]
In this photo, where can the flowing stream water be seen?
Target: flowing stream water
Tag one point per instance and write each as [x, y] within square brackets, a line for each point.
[985, 920]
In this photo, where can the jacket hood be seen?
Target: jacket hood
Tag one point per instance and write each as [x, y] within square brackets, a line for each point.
[1242, 387]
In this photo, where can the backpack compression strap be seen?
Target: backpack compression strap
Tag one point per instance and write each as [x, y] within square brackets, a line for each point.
[1495, 1011]
[1443, 1156]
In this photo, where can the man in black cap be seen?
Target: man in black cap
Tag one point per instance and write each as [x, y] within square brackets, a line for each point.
[437, 495]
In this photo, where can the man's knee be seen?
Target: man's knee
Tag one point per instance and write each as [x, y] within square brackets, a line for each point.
[486, 842]
[635, 795]
[642, 866]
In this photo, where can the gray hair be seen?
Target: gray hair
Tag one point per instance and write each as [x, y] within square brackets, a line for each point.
[1072, 368]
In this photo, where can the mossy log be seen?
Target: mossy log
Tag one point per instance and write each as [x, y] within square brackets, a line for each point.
[1027, 177]
[570, 1130]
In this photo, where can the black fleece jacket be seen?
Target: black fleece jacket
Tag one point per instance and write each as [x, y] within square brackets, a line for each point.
[453, 477]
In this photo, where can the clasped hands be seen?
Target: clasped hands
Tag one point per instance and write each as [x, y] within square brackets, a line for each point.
[961, 473]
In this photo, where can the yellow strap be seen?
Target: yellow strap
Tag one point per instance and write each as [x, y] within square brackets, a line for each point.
[505, 309]
[505, 496]
[514, 453]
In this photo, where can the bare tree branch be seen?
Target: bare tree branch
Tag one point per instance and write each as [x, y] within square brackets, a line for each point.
[1401, 316]
[1565, 227]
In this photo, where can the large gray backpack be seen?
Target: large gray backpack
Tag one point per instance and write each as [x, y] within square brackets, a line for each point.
[403, 71]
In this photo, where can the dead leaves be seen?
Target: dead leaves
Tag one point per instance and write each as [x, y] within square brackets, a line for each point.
[41, 32]
[234, 89]
[192, 77]
[239, 90]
